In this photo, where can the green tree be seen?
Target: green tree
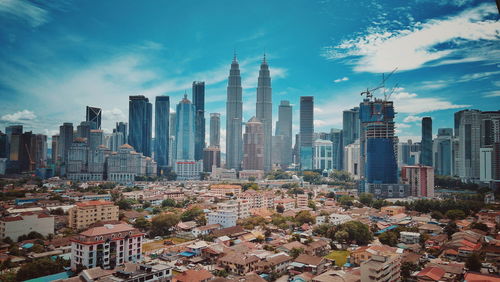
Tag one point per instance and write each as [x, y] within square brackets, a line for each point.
[295, 252]
[389, 238]
[437, 215]
[141, 223]
[450, 229]
[304, 217]
[168, 203]
[366, 199]
[358, 232]
[341, 236]
[473, 262]
[407, 268]
[455, 214]
[312, 204]
[125, 204]
[312, 177]
[161, 224]
[280, 208]
[346, 200]
[480, 226]
[191, 214]
[41, 267]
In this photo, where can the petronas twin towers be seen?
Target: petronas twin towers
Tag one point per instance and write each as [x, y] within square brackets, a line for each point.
[234, 111]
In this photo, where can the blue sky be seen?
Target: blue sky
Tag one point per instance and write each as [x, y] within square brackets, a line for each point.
[58, 57]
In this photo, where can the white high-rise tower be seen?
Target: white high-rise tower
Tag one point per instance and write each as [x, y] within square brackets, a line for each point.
[265, 111]
[234, 115]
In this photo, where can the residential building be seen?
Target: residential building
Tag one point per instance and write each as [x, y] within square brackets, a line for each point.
[188, 170]
[238, 263]
[337, 219]
[84, 214]
[15, 226]
[224, 189]
[234, 118]
[106, 246]
[352, 159]
[444, 152]
[199, 118]
[306, 132]
[253, 145]
[409, 237]
[420, 178]
[287, 203]
[392, 210]
[224, 218]
[385, 267]
[302, 201]
[140, 121]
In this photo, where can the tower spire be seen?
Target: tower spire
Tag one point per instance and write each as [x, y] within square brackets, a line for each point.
[234, 55]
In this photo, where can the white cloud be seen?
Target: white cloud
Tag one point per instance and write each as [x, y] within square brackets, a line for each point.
[382, 50]
[495, 93]
[24, 10]
[19, 117]
[411, 103]
[114, 115]
[411, 118]
[345, 78]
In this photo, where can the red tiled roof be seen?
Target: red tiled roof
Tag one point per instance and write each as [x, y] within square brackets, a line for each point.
[478, 277]
[434, 273]
[193, 276]
[93, 203]
[12, 218]
[109, 229]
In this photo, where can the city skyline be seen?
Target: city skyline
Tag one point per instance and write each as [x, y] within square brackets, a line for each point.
[334, 67]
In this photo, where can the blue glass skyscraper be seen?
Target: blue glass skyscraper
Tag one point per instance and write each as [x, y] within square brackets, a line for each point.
[306, 132]
[162, 136]
[185, 136]
[426, 144]
[199, 105]
[140, 116]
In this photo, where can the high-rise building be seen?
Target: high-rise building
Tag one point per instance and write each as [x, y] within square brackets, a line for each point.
[162, 136]
[55, 149]
[426, 144]
[140, 120]
[469, 136]
[65, 140]
[124, 165]
[323, 156]
[93, 115]
[185, 130]
[199, 124]
[39, 150]
[215, 130]
[336, 136]
[351, 159]
[284, 128]
[83, 129]
[9, 131]
[122, 127]
[211, 158]
[3, 145]
[350, 126]
[378, 143]
[253, 145]
[234, 118]
[306, 132]
[264, 108]
[420, 178]
[443, 152]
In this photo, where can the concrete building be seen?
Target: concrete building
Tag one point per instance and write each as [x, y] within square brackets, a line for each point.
[199, 118]
[443, 149]
[140, 121]
[486, 165]
[264, 107]
[214, 130]
[211, 158]
[322, 155]
[352, 159]
[287, 203]
[248, 174]
[188, 170]
[84, 214]
[306, 132]
[123, 166]
[24, 223]
[234, 118]
[350, 126]
[426, 149]
[385, 267]
[302, 201]
[224, 218]
[162, 135]
[106, 246]
[284, 129]
[420, 179]
[65, 140]
[253, 145]
[409, 237]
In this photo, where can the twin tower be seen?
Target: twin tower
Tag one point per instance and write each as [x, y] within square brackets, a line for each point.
[234, 118]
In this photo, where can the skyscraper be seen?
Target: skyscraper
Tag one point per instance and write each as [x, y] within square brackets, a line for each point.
[199, 105]
[122, 127]
[172, 151]
[93, 115]
[83, 130]
[215, 130]
[185, 130]
[264, 108]
[253, 145]
[350, 126]
[162, 136]
[336, 136]
[65, 140]
[234, 115]
[284, 128]
[426, 144]
[55, 149]
[443, 152]
[378, 157]
[140, 124]
[468, 123]
[306, 132]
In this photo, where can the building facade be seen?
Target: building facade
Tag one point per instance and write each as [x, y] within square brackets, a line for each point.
[284, 128]
[215, 130]
[22, 224]
[323, 155]
[264, 108]
[306, 132]
[199, 124]
[420, 178]
[253, 145]
[162, 135]
[426, 144]
[140, 120]
[87, 213]
[234, 118]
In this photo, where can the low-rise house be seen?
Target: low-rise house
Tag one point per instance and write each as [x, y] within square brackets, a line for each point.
[274, 264]
[205, 230]
[191, 275]
[337, 219]
[383, 267]
[492, 254]
[318, 248]
[436, 242]
[239, 263]
[430, 228]
[339, 276]
[392, 210]
[16, 226]
[479, 277]
[307, 263]
[287, 203]
[364, 253]
[288, 247]
[409, 237]
[430, 274]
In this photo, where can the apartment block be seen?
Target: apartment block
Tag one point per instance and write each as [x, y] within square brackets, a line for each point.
[87, 213]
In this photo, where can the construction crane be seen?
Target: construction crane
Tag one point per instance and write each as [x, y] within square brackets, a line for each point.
[32, 163]
[369, 92]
